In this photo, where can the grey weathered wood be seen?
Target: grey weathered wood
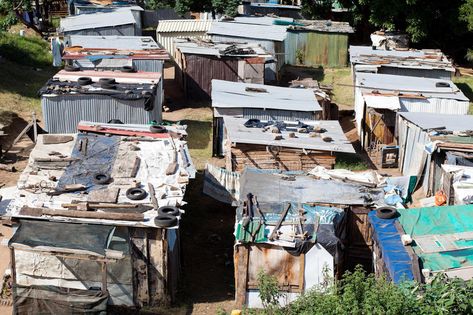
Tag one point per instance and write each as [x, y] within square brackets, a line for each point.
[109, 195]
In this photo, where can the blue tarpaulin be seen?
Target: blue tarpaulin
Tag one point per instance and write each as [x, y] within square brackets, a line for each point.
[395, 256]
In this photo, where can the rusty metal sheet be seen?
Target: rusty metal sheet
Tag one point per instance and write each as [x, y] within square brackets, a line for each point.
[275, 261]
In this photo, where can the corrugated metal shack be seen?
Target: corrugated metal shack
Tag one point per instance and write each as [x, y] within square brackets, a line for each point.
[427, 141]
[270, 37]
[88, 8]
[100, 96]
[436, 248]
[121, 22]
[169, 30]
[201, 61]
[379, 96]
[98, 220]
[325, 227]
[302, 146]
[264, 102]
[426, 63]
[317, 42]
[141, 53]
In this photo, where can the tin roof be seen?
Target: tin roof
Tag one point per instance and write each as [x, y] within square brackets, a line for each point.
[220, 49]
[96, 20]
[133, 47]
[238, 133]
[229, 94]
[412, 58]
[77, 157]
[261, 20]
[428, 121]
[120, 77]
[113, 42]
[182, 26]
[326, 26]
[395, 84]
[253, 31]
[280, 188]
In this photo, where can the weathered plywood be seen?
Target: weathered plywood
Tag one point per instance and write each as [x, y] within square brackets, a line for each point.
[258, 156]
[139, 248]
[157, 247]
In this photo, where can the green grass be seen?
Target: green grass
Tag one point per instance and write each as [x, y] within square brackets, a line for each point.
[28, 50]
[341, 80]
[350, 162]
[465, 83]
[25, 66]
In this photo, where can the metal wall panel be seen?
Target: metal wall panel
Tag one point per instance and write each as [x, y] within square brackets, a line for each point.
[274, 48]
[315, 49]
[200, 70]
[434, 105]
[123, 30]
[167, 39]
[62, 113]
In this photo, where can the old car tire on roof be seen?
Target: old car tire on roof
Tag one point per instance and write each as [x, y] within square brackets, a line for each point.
[168, 210]
[84, 81]
[165, 220]
[107, 80]
[386, 212]
[157, 129]
[109, 86]
[128, 69]
[115, 121]
[69, 68]
[136, 193]
[101, 178]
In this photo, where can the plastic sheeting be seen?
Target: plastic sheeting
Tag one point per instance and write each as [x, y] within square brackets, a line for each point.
[435, 221]
[395, 256]
[54, 300]
[94, 154]
[68, 237]
[221, 184]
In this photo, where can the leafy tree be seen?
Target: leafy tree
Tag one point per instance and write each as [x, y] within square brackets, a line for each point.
[227, 7]
[13, 10]
[466, 14]
[159, 4]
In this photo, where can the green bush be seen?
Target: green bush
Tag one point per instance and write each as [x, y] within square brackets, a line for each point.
[31, 51]
[358, 293]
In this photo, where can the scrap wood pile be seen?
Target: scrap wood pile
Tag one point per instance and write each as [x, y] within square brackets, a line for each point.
[135, 174]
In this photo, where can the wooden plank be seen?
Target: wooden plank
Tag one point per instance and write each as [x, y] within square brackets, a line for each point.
[108, 195]
[29, 211]
[241, 274]
[157, 274]
[139, 243]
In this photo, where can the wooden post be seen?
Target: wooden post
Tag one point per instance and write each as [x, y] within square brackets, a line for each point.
[13, 275]
[104, 277]
[35, 128]
[241, 274]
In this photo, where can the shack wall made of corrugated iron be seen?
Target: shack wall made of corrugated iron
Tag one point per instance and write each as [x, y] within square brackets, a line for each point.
[200, 70]
[147, 65]
[421, 73]
[276, 49]
[316, 48]
[62, 113]
[121, 30]
[167, 39]
[434, 105]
